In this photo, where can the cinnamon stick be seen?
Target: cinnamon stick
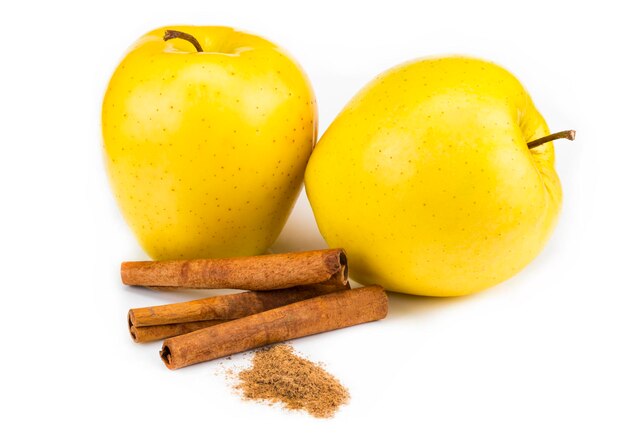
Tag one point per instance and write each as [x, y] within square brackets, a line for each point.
[157, 332]
[315, 315]
[224, 307]
[255, 273]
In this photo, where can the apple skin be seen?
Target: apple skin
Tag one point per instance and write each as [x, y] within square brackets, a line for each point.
[426, 180]
[206, 152]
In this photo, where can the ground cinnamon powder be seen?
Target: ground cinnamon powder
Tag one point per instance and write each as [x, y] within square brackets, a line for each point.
[279, 375]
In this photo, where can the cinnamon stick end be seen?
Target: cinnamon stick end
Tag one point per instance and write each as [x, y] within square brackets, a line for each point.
[133, 334]
[166, 356]
[131, 326]
[336, 262]
[343, 262]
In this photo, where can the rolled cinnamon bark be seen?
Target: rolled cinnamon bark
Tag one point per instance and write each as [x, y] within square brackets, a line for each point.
[315, 315]
[224, 307]
[255, 273]
[158, 332]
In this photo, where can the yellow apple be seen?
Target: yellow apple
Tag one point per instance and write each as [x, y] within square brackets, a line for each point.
[207, 132]
[427, 180]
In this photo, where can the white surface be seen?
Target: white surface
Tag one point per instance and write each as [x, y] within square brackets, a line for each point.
[540, 354]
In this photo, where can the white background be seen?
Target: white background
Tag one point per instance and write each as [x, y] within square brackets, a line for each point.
[540, 354]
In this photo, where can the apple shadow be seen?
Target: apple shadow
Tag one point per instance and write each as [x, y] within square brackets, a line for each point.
[407, 305]
[404, 305]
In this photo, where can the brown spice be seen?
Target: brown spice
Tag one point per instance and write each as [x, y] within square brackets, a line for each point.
[279, 375]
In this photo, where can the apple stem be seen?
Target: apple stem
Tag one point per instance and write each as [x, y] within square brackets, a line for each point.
[565, 134]
[171, 34]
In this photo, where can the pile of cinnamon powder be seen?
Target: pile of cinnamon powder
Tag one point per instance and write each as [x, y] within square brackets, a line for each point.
[279, 375]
